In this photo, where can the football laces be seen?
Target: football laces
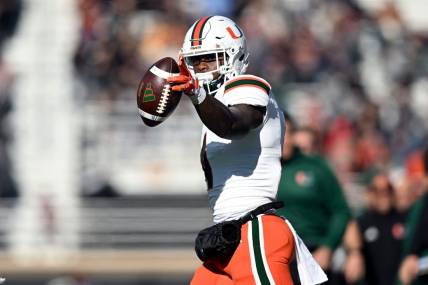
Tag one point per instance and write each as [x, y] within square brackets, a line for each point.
[164, 99]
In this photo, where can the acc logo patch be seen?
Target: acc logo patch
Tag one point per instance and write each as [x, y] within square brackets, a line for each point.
[303, 178]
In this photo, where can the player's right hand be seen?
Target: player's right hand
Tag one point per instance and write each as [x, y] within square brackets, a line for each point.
[184, 82]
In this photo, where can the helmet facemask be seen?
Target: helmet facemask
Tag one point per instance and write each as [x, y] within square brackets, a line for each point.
[209, 79]
[229, 63]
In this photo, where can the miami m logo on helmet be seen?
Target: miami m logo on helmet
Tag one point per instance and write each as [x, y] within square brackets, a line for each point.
[232, 33]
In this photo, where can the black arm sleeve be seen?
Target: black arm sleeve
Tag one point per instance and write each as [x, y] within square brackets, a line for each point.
[229, 121]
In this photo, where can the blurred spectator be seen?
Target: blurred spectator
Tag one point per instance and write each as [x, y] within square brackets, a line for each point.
[371, 150]
[417, 237]
[107, 57]
[314, 201]
[415, 172]
[405, 194]
[10, 11]
[339, 144]
[375, 240]
[354, 267]
[119, 40]
[306, 139]
[7, 184]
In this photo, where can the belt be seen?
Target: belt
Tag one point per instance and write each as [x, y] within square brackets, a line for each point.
[260, 210]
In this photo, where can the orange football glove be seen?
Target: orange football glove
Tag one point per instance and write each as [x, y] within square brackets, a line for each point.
[184, 82]
[182, 66]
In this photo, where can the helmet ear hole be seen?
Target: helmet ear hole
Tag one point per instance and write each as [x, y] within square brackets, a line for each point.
[241, 58]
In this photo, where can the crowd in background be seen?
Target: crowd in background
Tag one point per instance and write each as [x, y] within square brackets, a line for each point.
[356, 78]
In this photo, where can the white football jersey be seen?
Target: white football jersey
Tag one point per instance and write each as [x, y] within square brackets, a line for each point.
[244, 173]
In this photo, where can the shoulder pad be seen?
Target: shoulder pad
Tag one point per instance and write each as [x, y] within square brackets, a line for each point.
[247, 80]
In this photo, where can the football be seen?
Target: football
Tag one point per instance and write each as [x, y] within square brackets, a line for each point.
[155, 99]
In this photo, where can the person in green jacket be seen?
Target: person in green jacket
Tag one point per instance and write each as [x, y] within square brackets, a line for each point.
[413, 270]
[313, 198]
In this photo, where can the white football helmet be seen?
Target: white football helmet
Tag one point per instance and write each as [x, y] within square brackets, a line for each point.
[220, 37]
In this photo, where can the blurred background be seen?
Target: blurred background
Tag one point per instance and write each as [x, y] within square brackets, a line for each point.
[89, 195]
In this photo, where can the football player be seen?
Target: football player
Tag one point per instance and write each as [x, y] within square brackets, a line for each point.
[242, 141]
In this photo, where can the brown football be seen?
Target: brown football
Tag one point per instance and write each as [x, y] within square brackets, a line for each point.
[155, 99]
